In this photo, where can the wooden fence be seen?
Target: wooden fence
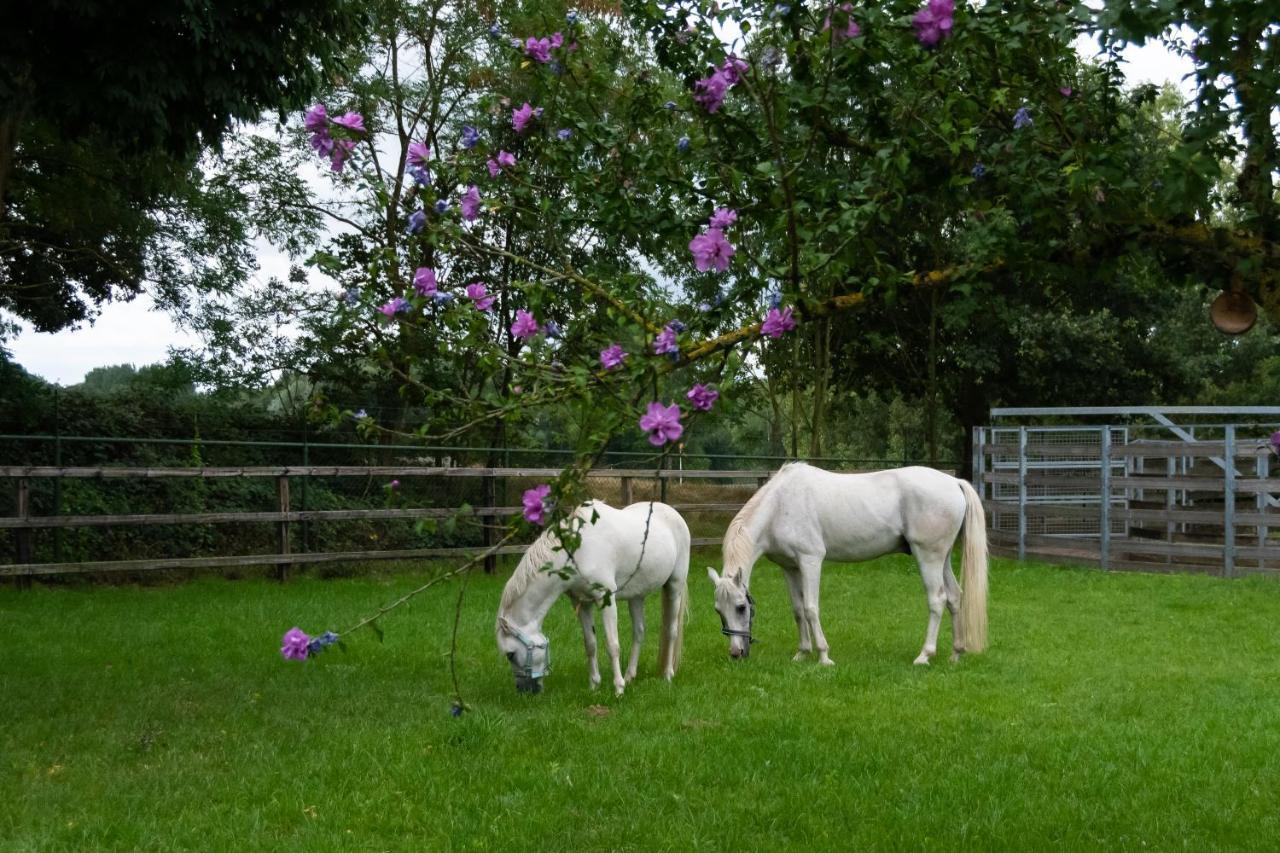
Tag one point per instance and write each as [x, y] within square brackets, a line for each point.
[1152, 505]
[491, 514]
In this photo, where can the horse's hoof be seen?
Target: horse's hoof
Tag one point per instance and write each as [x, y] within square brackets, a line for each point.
[803, 654]
[955, 657]
[826, 661]
[923, 660]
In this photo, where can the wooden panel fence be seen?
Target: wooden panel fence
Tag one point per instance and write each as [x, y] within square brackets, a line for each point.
[1199, 506]
[491, 513]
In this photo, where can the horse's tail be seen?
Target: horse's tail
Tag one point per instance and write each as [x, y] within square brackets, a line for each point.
[973, 603]
[669, 647]
[675, 605]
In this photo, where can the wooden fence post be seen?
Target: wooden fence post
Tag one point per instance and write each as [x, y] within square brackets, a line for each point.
[1229, 501]
[625, 496]
[22, 535]
[490, 500]
[282, 529]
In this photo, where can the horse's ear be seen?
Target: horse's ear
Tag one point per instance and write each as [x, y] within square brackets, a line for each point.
[505, 625]
[738, 579]
[711, 573]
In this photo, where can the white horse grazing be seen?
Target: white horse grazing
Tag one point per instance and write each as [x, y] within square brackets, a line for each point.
[805, 515]
[627, 553]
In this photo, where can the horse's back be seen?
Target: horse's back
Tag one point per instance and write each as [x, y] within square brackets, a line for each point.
[860, 516]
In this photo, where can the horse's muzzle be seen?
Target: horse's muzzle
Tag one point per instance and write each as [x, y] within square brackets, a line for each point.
[529, 685]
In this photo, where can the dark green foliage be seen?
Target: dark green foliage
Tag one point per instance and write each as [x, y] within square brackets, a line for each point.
[105, 109]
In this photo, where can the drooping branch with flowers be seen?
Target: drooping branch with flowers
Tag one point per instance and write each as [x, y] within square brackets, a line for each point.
[609, 201]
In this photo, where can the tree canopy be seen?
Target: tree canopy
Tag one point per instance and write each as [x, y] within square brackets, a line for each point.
[105, 109]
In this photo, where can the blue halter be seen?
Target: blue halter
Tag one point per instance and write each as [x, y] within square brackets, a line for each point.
[527, 669]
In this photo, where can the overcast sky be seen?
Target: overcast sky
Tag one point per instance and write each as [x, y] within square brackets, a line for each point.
[135, 333]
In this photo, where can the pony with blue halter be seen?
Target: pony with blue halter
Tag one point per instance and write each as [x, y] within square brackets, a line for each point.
[624, 554]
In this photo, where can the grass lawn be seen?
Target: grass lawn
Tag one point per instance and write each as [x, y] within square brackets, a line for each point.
[1111, 711]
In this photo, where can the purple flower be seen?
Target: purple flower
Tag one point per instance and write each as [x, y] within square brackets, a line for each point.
[316, 120]
[520, 118]
[341, 150]
[1065, 91]
[776, 322]
[849, 32]
[563, 134]
[322, 143]
[709, 92]
[733, 69]
[394, 484]
[612, 356]
[417, 220]
[352, 121]
[420, 175]
[670, 105]
[933, 22]
[494, 168]
[571, 17]
[978, 171]
[662, 423]
[723, 218]
[682, 144]
[360, 415]
[711, 249]
[666, 342]
[471, 203]
[418, 154]
[702, 397]
[552, 329]
[775, 298]
[479, 294]
[1275, 441]
[395, 306]
[470, 136]
[442, 205]
[1022, 118]
[424, 281]
[557, 39]
[351, 297]
[535, 504]
[525, 326]
[293, 646]
[538, 49]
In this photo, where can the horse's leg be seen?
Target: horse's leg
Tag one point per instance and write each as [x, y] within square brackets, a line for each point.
[609, 618]
[637, 636]
[951, 587]
[932, 574]
[588, 623]
[796, 588]
[811, 575]
[672, 627]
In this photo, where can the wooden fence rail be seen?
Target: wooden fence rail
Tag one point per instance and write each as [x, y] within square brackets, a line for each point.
[23, 523]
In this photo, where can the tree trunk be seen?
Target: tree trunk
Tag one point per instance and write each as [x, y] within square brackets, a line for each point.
[822, 358]
[8, 144]
[931, 397]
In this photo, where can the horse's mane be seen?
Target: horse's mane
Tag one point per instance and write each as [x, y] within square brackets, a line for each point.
[543, 550]
[739, 544]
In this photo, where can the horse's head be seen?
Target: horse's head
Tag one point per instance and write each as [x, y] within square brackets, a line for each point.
[529, 654]
[737, 611]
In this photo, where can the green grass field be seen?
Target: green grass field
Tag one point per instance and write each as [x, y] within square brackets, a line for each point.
[1111, 711]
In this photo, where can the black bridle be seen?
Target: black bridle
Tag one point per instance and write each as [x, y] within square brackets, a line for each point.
[751, 618]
